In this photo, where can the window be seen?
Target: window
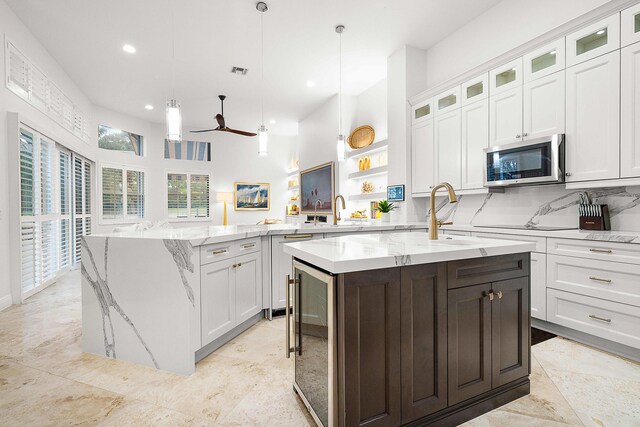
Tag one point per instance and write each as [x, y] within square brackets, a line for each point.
[119, 140]
[81, 202]
[187, 150]
[123, 193]
[187, 195]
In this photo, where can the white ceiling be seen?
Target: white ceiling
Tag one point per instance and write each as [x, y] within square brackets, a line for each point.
[86, 38]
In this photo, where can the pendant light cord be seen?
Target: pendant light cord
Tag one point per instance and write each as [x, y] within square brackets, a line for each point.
[340, 83]
[173, 51]
[262, 67]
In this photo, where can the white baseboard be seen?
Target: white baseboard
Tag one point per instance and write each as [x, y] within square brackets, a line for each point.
[5, 302]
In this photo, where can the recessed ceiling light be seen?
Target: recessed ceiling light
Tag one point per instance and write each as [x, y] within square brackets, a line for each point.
[149, 107]
[273, 122]
[128, 48]
[311, 83]
[600, 32]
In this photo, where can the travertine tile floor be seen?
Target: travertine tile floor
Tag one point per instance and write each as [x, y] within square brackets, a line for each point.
[45, 379]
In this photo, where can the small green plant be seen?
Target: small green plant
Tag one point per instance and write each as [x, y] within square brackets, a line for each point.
[385, 207]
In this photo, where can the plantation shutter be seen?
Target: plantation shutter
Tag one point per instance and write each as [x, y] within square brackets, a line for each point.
[65, 209]
[135, 194]
[112, 206]
[82, 203]
[18, 77]
[27, 174]
[177, 195]
[199, 196]
[38, 88]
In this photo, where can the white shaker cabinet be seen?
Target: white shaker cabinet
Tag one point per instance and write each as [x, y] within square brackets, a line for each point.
[447, 134]
[218, 299]
[630, 25]
[475, 90]
[505, 117]
[594, 40]
[630, 112]
[248, 286]
[421, 112]
[544, 107]
[422, 157]
[539, 285]
[544, 61]
[475, 138]
[593, 119]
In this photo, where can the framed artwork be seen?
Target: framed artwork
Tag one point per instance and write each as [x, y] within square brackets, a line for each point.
[395, 193]
[251, 196]
[317, 183]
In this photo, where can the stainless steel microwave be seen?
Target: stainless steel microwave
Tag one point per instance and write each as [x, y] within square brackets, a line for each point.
[536, 161]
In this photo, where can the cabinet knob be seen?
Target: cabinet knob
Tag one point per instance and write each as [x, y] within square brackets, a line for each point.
[499, 294]
[567, 174]
[518, 136]
[525, 134]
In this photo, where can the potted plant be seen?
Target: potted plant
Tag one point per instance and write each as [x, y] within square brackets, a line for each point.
[385, 208]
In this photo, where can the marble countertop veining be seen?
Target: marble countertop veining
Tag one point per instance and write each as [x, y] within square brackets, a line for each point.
[374, 251]
[199, 236]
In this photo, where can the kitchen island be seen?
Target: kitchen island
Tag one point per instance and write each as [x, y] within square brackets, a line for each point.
[397, 329]
[167, 297]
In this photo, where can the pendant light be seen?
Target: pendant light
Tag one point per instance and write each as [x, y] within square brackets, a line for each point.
[340, 147]
[263, 137]
[174, 116]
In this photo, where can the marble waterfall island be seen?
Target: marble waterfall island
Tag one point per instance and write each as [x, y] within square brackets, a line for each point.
[396, 329]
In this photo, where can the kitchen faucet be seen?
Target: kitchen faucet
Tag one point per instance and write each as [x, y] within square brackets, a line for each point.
[315, 212]
[336, 212]
[435, 224]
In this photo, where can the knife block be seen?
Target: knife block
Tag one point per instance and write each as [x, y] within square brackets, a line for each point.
[601, 223]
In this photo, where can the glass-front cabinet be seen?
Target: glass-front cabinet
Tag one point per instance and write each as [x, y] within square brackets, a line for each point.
[422, 111]
[546, 60]
[311, 337]
[505, 77]
[447, 101]
[630, 25]
[594, 40]
[475, 89]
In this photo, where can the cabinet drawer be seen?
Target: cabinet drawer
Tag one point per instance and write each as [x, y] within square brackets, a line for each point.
[474, 271]
[248, 246]
[593, 249]
[605, 319]
[612, 281]
[541, 242]
[216, 252]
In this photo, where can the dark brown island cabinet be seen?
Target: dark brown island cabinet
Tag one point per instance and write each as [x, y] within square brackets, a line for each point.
[430, 344]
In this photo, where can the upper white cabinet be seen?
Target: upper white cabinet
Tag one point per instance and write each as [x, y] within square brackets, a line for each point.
[593, 119]
[447, 129]
[505, 117]
[594, 40]
[544, 106]
[475, 90]
[630, 25]
[421, 112]
[475, 138]
[506, 77]
[422, 157]
[630, 112]
[547, 60]
[447, 101]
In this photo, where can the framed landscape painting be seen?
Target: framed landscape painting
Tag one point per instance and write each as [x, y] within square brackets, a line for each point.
[251, 196]
[317, 184]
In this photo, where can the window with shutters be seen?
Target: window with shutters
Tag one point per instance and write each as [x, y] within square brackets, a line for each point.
[119, 140]
[82, 179]
[188, 196]
[123, 194]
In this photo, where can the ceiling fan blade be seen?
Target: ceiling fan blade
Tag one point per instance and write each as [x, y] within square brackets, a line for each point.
[239, 132]
[204, 130]
[220, 120]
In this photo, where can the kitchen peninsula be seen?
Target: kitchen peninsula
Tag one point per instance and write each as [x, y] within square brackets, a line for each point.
[166, 298]
[397, 329]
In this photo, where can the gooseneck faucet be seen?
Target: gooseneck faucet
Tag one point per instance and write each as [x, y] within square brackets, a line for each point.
[435, 224]
[315, 212]
[336, 212]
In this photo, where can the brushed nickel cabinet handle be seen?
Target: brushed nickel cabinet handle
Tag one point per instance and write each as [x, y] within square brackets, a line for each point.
[518, 136]
[602, 319]
[601, 251]
[525, 134]
[299, 236]
[567, 174]
[218, 252]
[597, 279]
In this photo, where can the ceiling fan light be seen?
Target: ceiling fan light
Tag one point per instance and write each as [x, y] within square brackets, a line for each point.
[263, 141]
[174, 121]
[341, 148]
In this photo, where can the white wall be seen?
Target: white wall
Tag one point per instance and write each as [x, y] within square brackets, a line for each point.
[505, 26]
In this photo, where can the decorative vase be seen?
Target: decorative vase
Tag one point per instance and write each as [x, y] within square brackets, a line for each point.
[385, 216]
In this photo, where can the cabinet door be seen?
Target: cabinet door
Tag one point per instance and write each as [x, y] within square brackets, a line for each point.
[506, 77]
[544, 106]
[475, 138]
[421, 112]
[510, 330]
[475, 89]
[281, 266]
[424, 340]
[594, 40]
[593, 119]
[630, 112]
[505, 117]
[422, 158]
[630, 25]
[447, 133]
[539, 285]
[218, 299]
[469, 337]
[369, 347]
[544, 61]
[248, 286]
[447, 101]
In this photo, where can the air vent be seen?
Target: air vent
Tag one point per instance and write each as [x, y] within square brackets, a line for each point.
[239, 70]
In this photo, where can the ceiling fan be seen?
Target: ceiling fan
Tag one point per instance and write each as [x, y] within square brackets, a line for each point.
[222, 127]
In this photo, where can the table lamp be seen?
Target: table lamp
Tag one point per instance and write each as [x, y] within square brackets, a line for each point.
[224, 197]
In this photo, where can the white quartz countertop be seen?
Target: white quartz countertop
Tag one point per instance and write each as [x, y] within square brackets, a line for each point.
[373, 251]
[199, 236]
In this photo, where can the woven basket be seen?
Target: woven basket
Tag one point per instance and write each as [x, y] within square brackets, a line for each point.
[361, 137]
